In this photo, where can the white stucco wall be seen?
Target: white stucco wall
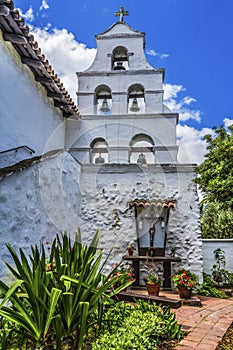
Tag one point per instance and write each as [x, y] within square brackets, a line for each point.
[119, 83]
[108, 188]
[119, 131]
[209, 245]
[37, 203]
[120, 34]
[58, 194]
[27, 116]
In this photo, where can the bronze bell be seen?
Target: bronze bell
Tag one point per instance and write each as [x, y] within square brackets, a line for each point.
[141, 159]
[104, 107]
[134, 107]
[119, 66]
[99, 160]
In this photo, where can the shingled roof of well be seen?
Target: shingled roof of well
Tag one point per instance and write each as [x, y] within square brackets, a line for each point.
[15, 31]
[145, 203]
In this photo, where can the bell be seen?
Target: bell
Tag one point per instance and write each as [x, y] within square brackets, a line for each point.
[134, 107]
[104, 107]
[141, 159]
[99, 160]
[119, 66]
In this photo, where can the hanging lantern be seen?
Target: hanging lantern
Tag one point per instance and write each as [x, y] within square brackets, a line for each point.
[104, 107]
[134, 107]
[99, 160]
[141, 159]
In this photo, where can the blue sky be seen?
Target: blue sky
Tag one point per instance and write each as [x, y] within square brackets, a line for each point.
[191, 39]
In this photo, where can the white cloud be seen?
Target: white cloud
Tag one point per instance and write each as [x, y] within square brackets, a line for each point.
[171, 91]
[44, 5]
[227, 122]
[29, 15]
[192, 147]
[65, 55]
[163, 55]
[151, 52]
[187, 100]
[160, 55]
[177, 105]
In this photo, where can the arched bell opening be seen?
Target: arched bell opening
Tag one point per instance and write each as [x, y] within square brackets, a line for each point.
[141, 150]
[99, 151]
[103, 100]
[120, 59]
[136, 99]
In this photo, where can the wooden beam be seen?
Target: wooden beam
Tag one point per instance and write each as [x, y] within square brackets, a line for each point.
[67, 109]
[4, 10]
[142, 149]
[61, 104]
[14, 38]
[55, 95]
[44, 80]
[31, 62]
[132, 296]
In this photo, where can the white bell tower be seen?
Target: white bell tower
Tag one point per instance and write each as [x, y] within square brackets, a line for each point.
[122, 86]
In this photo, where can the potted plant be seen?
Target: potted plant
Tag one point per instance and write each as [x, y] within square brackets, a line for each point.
[185, 281]
[131, 248]
[153, 278]
[173, 250]
[153, 284]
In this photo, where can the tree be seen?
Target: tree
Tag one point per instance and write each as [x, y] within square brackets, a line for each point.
[216, 172]
[216, 222]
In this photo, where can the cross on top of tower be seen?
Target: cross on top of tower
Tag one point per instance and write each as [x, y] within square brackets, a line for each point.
[121, 13]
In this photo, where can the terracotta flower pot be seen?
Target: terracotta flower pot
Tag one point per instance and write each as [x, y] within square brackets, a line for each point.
[184, 292]
[153, 288]
[130, 251]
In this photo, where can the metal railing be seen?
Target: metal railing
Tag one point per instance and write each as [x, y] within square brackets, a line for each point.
[30, 150]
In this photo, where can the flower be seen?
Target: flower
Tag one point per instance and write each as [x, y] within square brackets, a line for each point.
[125, 273]
[185, 278]
[153, 274]
[152, 279]
[131, 246]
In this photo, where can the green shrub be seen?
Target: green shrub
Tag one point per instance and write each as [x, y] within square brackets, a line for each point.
[10, 336]
[140, 327]
[208, 288]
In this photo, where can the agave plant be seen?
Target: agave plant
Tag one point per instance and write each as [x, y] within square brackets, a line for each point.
[54, 296]
[33, 297]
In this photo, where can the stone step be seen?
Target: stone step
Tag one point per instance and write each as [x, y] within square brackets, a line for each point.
[160, 300]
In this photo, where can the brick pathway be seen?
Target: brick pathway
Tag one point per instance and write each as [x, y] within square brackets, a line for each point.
[205, 325]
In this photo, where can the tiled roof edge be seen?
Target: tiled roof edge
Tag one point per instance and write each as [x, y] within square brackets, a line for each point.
[15, 31]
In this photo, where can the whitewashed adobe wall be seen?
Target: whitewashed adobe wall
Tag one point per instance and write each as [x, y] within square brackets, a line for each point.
[37, 203]
[27, 116]
[209, 245]
[56, 195]
[108, 189]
